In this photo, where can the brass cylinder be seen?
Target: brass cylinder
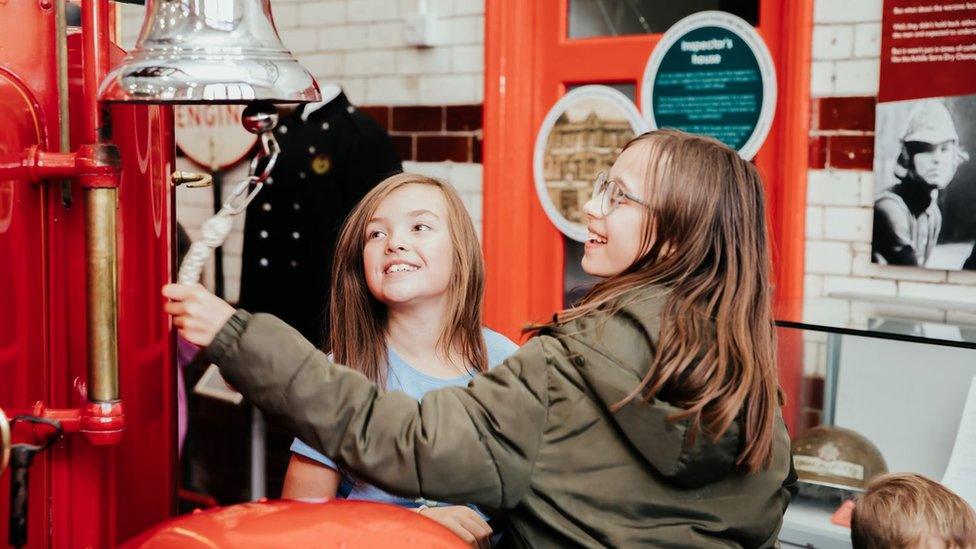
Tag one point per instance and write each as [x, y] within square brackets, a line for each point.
[102, 283]
[61, 51]
[4, 442]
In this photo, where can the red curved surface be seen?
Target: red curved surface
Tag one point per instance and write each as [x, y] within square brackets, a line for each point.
[82, 495]
[338, 523]
[23, 334]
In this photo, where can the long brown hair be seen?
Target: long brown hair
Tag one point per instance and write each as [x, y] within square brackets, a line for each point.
[358, 320]
[706, 243]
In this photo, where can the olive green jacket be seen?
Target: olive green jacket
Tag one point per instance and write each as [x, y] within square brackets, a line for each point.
[533, 438]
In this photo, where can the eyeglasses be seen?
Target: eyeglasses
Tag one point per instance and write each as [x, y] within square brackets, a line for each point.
[611, 194]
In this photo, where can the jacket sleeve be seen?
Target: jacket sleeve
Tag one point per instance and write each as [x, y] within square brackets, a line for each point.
[474, 444]
[892, 239]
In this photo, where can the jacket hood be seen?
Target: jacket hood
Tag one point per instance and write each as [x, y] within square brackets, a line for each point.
[612, 354]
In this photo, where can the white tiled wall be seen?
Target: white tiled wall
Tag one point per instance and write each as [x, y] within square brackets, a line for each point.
[846, 47]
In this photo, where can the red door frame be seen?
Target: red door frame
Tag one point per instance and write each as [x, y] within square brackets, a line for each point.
[528, 64]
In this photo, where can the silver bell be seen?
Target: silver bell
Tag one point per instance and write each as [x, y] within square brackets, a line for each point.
[213, 51]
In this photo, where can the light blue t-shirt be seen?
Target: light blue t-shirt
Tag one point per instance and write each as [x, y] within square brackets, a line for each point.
[403, 377]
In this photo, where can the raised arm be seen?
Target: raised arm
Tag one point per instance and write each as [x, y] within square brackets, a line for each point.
[466, 445]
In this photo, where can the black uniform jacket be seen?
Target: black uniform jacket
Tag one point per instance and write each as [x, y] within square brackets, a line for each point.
[328, 162]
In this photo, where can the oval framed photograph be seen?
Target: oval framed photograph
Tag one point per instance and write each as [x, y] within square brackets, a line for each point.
[712, 74]
[580, 136]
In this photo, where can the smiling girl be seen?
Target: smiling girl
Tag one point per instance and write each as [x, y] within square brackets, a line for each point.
[646, 416]
[407, 288]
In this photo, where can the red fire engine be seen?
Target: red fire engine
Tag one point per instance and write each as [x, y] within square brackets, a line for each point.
[86, 237]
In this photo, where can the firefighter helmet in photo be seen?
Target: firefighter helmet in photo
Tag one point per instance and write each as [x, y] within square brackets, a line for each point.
[836, 457]
[930, 122]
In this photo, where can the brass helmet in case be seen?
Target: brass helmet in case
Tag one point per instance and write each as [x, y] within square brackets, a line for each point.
[836, 457]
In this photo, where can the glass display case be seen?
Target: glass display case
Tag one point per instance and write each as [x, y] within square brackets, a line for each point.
[897, 371]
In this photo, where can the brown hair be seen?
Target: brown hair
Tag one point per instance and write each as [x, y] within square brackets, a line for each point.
[358, 320]
[707, 246]
[903, 510]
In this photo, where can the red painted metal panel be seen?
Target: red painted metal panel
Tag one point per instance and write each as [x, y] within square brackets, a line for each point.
[142, 479]
[83, 495]
[27, 116]
[146, 468]
[23, 375]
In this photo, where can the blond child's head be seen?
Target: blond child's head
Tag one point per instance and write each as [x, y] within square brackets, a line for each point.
[909, 511]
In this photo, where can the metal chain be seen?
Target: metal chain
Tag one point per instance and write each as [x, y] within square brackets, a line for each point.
[270, 151]
[215, 230]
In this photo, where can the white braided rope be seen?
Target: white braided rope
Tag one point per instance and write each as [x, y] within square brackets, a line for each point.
[214, 233]
[216, 229]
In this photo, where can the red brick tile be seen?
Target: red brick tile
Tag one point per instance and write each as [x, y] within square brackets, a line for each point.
[464, 118]
[379, 113]
[477, 144]
[811, 418]
[813, 389]
[404, 145]
[438, 148]
[844, 113]
[418, 119]
[814, 114]
[851, 152]
[818, 152]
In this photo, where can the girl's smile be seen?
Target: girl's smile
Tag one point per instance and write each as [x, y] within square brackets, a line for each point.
[398, 266]
[594, 239]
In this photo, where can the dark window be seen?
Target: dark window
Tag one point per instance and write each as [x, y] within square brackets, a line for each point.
[589, 18]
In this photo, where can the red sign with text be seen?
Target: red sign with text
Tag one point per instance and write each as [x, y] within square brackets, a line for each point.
[928, 49]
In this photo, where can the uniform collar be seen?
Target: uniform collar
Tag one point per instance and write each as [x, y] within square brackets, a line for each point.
[333, 99]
